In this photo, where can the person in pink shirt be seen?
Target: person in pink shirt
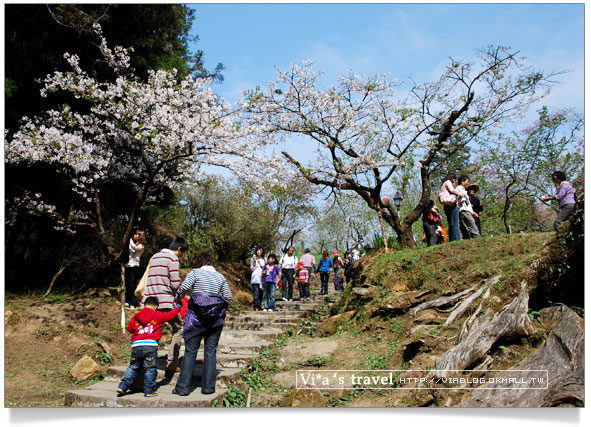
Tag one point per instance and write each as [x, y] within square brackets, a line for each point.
[448, 196]
[308, 261]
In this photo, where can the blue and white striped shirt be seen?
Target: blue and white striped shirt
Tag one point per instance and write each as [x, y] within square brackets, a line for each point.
[205, 280]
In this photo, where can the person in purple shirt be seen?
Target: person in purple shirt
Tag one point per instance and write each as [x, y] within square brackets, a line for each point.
[270, 276]
[565, 194]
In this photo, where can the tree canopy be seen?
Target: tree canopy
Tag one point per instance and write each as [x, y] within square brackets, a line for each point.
[37, 35]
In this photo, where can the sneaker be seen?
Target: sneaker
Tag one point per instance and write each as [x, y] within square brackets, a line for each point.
[151, 394]
[264, 309]
[271, 309]
[131, 307]
[121, 392]
[284, 299]
[290, 300]
[178, 393]
[126, 304]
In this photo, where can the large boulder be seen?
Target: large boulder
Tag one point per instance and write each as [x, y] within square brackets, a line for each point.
[85, 369]
[330, 325]
[306, 398]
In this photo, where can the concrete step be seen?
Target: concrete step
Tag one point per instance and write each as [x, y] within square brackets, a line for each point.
[104, 394]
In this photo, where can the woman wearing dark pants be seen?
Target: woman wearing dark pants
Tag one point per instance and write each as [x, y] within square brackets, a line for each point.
[257, 263]
[210, 338]
[324, 266]
[288, 263]
[204, 320]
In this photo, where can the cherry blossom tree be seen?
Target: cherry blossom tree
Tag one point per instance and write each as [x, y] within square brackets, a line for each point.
[364, 131]
[148, 135]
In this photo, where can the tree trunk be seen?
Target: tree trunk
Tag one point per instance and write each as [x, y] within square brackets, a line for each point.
[406, 238]
[506, 210]
[124, 254]
[61, 270]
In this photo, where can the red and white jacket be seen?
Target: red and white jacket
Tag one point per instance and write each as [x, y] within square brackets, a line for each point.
[146, 325]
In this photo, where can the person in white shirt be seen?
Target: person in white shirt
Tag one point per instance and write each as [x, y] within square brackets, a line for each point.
[257, 263]
[288, 263]
[467, 224]
[137, 244]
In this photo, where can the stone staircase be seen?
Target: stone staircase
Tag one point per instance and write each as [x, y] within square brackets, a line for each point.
[244, 336]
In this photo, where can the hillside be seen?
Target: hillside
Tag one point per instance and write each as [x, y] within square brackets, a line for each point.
[389, 319]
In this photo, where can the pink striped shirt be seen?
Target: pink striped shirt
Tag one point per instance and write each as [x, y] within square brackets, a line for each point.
[163, 278]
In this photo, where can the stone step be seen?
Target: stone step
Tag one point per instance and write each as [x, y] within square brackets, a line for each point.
[252, 336]
[225, 376]
[104, 394]
[224, 360]
[258, 326]
[226, 346]
[266, 316]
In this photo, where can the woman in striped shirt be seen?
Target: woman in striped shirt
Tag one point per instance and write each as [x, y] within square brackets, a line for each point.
[204, 319]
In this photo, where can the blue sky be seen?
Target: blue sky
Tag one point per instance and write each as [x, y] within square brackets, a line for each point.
[401, 39]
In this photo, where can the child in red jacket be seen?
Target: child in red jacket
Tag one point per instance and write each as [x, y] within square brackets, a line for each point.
[146, 327]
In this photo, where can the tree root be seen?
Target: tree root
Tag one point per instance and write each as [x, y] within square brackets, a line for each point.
[512, 321]
[463, 306]
[562, 356]
[443, 301]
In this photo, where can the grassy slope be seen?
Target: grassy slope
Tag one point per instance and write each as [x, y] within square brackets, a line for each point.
[377, 338]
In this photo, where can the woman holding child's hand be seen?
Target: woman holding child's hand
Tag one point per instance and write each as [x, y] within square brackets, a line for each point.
[204, 321]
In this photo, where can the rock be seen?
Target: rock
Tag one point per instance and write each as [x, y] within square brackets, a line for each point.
[360, 291]
[285, 379]
[306, 398]
[301, 352]
[104, 346]
[104, 293]
[399, 287]
[243, 298]
[330, 325]
[85, 369]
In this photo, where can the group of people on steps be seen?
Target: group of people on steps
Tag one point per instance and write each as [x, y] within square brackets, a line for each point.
[195, 310]
[270, 273]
